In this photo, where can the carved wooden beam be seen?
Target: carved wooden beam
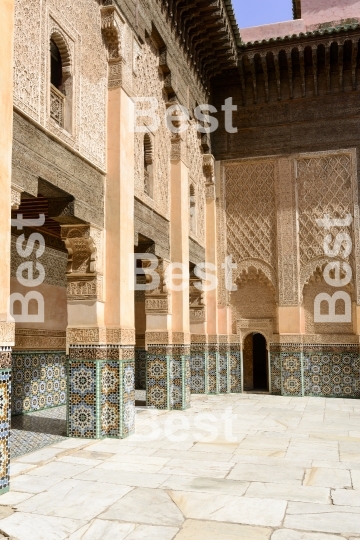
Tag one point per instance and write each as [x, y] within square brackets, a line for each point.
[302, 70]
[315, 69]
[266, 76]
[341, 65]
[242, 80]
[327, 68]
[251, 59]
[290, 73]
[354, 54]
[277, 71]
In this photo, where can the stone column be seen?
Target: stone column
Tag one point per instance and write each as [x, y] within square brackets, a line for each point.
[7, 325]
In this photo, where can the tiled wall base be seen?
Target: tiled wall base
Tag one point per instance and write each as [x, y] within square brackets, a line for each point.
[235, 369]
[140, 369]
[332, 371]
[215, 368]
[5, 412]
[168, 378]
[198, 368]
[39, 380]
[101, 391]
[315, 370]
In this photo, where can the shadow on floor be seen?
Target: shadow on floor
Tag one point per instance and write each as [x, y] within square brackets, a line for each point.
[30, 432]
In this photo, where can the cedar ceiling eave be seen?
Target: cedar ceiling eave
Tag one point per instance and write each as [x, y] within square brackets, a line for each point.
[216, 16]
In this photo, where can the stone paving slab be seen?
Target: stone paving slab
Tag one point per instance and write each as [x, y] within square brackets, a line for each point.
[288, 469]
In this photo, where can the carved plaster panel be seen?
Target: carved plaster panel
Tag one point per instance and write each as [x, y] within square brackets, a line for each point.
[248, 326]
[287, 239]
[326, 184]
[39, 339]
[79, 25]
[53, 261]
[100, 335]
[149, 82]
[7, 333]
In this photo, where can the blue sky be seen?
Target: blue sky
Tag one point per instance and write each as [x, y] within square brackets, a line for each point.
[257, 12]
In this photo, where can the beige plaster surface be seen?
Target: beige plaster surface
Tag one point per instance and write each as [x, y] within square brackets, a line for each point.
[55, 306]
[212, 315]
[291, 320]
[6, 106]
[119, 211]
[179, 239]
[182, 484]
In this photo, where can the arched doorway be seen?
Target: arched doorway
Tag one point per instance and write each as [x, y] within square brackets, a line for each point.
[255, 363]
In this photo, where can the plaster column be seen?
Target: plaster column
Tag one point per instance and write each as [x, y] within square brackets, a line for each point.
[101, 347]
[168, 370]
[212, 313]
[7, 325]
[179, 247]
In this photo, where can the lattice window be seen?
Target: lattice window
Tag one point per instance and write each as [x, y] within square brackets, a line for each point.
[60, 82]
[192, 208]
[148, 166]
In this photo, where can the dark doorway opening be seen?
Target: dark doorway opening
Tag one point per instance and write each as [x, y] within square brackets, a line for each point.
[260, 363]
[255, 363]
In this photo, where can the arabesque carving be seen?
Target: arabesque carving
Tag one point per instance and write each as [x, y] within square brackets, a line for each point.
[158, 300]
[196, 300]
[7, 333]
[84, 281]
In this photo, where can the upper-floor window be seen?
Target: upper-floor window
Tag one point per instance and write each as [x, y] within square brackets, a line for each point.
[55, 65]
[60, 82]
[192, 208]
[148, 166]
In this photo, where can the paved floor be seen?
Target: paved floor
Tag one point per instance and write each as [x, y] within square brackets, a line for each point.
[32, 431]
[283, 469]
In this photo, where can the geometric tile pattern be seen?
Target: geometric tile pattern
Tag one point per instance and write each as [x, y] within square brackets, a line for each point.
[168, 377]
[39, 380]
[140, 369]
[101, 392]
[235, 369]
[275, 370]
[291, 373]
[215, 368]
[82, 397]
[223, 373]
[157, 377]
[198, 366]
[5, 415]
[315, 370]
[332, 371]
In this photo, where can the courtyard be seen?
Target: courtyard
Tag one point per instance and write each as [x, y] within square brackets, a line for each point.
[250, 467]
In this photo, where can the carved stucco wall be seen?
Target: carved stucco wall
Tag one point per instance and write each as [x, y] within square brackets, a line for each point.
[326, 184]
[254, 300]
[149, 83]
[197, 179]
[79, 24]
[271, 206]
